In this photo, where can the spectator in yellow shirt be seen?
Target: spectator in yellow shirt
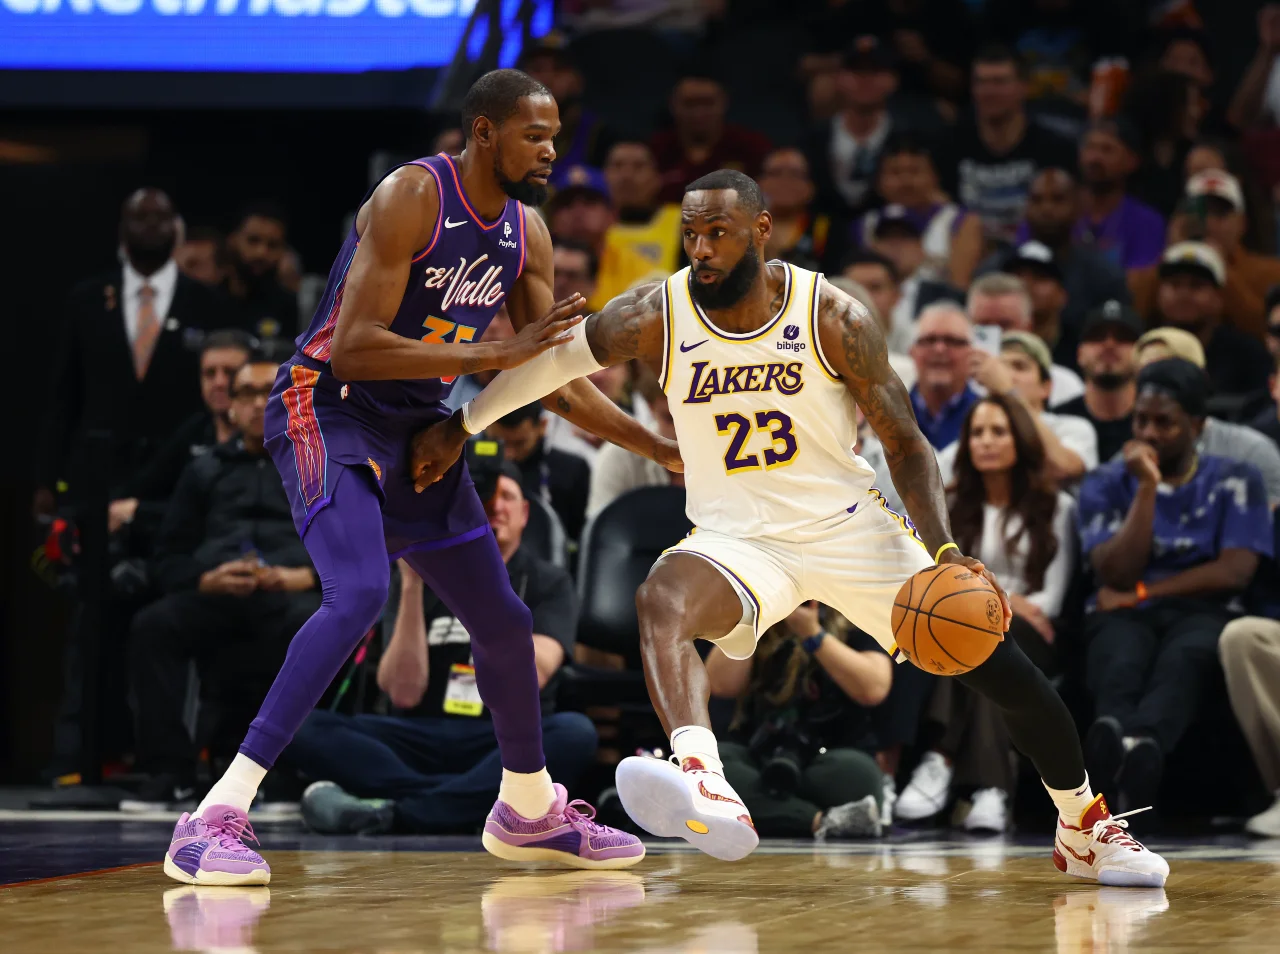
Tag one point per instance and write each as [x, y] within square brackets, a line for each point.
[580, 210]
[645, 226]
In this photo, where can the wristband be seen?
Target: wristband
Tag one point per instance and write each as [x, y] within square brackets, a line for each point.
[812, 643]
[1140, 591]
[943, 549]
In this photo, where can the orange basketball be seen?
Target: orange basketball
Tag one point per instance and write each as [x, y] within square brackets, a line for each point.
[947, 619]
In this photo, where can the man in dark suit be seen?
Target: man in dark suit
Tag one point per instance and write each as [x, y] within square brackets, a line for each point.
[127, 367]
[128, 360]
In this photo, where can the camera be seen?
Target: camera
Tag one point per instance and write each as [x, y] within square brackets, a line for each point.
[484, 458]
[783, 750]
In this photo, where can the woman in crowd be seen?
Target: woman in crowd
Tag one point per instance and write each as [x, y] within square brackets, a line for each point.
[1008, 513]
[796, 745]
[950, 236]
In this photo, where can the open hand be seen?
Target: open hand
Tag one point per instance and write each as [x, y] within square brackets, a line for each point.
[434, 450]
[977, 566]
[552, 329]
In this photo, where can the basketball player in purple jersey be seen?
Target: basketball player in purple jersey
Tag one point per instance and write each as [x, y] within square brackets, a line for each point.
[436, 248]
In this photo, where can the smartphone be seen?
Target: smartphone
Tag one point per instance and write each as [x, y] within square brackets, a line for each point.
[987, 337]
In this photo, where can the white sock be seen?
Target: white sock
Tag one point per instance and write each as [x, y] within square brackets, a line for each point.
[530, 794]
[237, 786]
[1072, 802]
[693, 741]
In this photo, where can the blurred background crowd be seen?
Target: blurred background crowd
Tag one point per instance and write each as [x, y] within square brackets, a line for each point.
[1064, 214]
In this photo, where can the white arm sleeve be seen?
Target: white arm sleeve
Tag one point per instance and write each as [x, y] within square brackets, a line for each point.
[532, 381]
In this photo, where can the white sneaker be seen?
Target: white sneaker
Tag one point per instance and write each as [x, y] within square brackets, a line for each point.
[989, 812]
[927, 792]
[1100, 849]
[1266, 824]
[696, 805]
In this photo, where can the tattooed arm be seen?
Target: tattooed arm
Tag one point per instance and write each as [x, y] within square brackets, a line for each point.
[853, 345]
[630, 326]
[580, 401]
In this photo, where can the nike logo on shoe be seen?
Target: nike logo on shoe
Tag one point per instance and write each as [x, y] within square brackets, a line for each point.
[1087, 859]
[716, 797]
[684, 347]
[453, 225]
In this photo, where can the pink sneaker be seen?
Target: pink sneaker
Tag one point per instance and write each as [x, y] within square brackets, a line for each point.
[566, 835]
[210, 849]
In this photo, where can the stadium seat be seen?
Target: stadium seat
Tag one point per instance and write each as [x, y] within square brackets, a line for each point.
[618, 547]
[544, 534]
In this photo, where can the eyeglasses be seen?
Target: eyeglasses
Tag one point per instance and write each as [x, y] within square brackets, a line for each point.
[946, 341]
[248, 394]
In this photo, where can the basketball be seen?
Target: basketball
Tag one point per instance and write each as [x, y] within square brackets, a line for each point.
[947, 619]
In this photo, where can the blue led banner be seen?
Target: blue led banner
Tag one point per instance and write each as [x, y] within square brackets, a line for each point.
[322, 36]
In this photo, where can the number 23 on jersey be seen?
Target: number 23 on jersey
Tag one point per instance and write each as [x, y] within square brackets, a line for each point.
[782, 450]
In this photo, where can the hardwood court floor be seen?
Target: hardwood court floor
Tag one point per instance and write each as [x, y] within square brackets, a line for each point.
[936, 896]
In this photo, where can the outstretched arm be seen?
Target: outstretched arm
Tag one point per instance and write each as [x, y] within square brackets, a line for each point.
[854, 345]
[398, 221]
[579, 401]
[629, 326]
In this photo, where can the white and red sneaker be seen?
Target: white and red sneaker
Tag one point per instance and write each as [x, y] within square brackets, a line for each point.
[1101, 849]
[690, 803]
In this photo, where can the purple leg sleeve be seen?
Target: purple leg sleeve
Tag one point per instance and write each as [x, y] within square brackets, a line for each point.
[472, 581]
[347, 548]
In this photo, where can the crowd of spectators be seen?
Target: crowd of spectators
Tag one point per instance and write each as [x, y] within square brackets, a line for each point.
[1066, 229]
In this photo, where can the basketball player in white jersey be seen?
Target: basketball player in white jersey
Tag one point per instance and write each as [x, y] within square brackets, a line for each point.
[763, 365]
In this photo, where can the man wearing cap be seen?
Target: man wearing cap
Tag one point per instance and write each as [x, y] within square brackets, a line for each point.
[700, 141]
[580, 210]
[1191, 295]
[1128, 232]
[991, 161]
[1172, 536]
[432, 765]
[1112, 351]
[1053, 210]
[1003, 301]
[1035, 265]
[844, 153]
[1023, 373]
[1213, 212]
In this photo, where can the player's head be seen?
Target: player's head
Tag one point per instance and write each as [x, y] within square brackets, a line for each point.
[148, 227]
[725, 226]
[511, 118]
[1170, 410]
[249, 392]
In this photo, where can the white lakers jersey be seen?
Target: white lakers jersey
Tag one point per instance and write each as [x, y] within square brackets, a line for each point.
[765, 427]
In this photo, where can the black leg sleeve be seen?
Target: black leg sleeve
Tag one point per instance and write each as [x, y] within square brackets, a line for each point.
[1038, 720]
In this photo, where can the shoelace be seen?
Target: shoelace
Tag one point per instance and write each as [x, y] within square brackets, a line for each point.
[230, 835]
[1119, 836]
[584, 816]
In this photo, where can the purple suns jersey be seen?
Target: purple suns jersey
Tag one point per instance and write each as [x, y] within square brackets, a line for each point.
[456, 285]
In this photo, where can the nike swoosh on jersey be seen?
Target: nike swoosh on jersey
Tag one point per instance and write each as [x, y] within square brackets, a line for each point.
[453, 225]
[684, 347]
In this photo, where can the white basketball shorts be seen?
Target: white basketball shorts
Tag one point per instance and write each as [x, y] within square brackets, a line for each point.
[855, 562]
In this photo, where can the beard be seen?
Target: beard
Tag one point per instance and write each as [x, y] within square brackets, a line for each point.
[1110, 380]
[522, 190]
[732, 288]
